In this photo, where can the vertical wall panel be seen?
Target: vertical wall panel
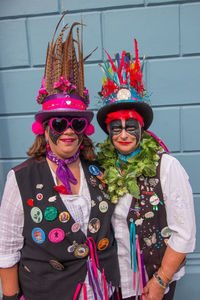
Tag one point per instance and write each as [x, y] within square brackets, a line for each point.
[190, 28]
[150, 26]
[14, 51]
[11, 8]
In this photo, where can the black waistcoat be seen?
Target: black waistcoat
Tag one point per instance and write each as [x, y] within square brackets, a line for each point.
[50, 270]
[149, 216]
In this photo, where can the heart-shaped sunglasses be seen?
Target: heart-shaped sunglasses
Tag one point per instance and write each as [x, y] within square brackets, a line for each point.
[59, 125]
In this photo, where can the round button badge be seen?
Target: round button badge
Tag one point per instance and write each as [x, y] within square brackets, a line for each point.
[64, 217]
[81, 251]
[50, 213]
[36, 214]
[103, 206]
[94, 170]
[103, 244]
[56, 235]
[75, 227]
[94, 225]
[72, 247]
[39, 196]
[154, 200]
[38, 235]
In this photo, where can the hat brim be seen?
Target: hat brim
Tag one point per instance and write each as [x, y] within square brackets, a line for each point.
[42, 115]
[143, 109]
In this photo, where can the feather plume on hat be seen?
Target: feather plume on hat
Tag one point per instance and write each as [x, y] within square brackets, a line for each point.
[123, 88]
[63, 91]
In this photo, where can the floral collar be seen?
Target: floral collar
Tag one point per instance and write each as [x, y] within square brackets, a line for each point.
[123, 179]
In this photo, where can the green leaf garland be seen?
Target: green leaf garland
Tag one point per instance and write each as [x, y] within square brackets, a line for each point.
[124, 179]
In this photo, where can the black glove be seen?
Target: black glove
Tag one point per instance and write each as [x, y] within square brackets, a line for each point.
[14, 297]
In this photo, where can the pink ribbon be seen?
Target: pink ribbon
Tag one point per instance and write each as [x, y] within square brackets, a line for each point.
[68, 103]
[93, 254]
[77, 291]
[84, 291]
[139, 264]
[104, 285]
[117, 291]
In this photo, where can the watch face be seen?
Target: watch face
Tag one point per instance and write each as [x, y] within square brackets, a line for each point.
[123, 94]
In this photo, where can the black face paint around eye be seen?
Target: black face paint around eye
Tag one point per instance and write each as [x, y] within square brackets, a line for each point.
[131, 126]
[53, 136]
[80, 138]
[115, 127]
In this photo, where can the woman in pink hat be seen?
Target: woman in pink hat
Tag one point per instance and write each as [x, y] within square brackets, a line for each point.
[153, 220]
[56, 239]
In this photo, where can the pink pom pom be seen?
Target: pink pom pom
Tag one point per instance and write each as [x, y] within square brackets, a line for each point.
[89, 130]
[37, 128]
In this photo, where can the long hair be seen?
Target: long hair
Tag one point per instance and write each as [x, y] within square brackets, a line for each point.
[39, 148]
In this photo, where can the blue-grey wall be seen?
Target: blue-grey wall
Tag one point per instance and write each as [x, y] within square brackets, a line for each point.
[168, 34]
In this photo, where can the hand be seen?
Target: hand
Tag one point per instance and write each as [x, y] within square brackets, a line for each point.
[153, 291]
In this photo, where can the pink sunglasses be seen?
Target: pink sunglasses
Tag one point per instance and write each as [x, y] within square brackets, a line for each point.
[59, 125]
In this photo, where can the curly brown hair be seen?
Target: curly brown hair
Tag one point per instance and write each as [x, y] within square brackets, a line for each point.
[38, 149]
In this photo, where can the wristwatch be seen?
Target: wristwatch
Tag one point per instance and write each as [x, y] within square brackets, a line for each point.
[14, 297]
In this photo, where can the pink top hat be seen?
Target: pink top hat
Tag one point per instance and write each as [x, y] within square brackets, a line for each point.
[62, 91]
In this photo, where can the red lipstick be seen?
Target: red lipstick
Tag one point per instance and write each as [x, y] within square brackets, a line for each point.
[124, 143]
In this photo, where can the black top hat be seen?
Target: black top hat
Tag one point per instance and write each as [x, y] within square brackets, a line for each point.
[123, 88]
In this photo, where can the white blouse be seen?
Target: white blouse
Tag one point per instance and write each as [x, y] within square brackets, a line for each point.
[179, 206]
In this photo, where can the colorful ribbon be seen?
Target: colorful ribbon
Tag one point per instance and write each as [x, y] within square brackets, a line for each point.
[104, 285]
[133, 251]
[91, 283]
[77, 291]
[139, 264]
[93, 255]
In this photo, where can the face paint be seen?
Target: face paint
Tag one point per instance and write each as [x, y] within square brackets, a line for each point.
[53, 136]
[80, 138]
[131, 127]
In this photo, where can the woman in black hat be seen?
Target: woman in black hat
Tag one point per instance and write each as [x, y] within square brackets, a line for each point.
[56, 239]
[154, 216]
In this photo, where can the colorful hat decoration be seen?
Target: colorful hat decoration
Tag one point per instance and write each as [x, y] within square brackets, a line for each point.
[62, 91]
[123, 88]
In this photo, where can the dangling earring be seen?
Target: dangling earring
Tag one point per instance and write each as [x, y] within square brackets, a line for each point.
[81, 147]
[47, 146]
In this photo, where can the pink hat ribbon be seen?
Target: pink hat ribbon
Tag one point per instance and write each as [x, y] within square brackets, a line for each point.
[66, 102]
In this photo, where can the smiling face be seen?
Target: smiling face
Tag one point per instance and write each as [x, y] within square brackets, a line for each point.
[125, 134]
[63, 145]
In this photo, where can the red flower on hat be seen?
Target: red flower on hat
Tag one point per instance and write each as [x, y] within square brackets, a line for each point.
[109, 87]
[42, 93]
[64, 85]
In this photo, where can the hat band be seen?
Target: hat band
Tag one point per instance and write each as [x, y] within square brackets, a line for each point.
[68, 103]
